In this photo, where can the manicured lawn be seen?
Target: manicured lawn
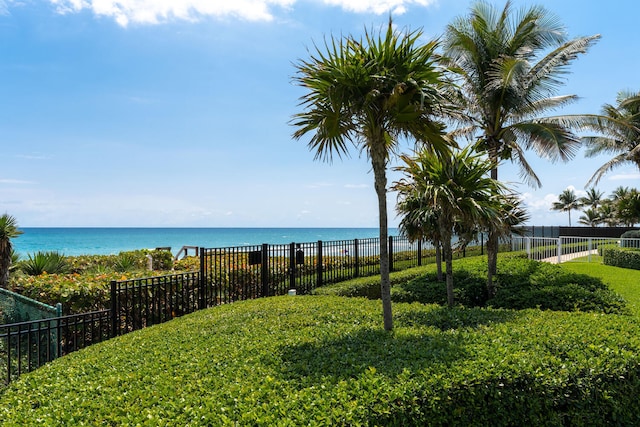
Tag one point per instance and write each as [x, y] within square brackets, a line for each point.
[624, 281]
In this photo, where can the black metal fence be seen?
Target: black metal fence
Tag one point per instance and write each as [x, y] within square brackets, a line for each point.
[225, 275]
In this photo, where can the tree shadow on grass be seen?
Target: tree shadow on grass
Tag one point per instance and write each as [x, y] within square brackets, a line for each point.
[422, 339]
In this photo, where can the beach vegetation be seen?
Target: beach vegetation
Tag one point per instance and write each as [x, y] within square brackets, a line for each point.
[8, 230]
[371, 92]
[622, 257]
[509, 66]
[45, 262]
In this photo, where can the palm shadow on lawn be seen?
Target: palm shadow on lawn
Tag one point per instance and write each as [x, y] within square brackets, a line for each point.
[391, 353]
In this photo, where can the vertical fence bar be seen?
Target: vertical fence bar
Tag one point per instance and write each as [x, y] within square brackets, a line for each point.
[319, 266]
[390, 253]
[203, 279]
[264, 270]
[292, 265]
[356, 255]
[114, 309]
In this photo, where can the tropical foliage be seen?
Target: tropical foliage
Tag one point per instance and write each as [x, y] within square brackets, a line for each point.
[450, 196]
[620, 134]
[621, 208]
[371, 92]
[510, 64]
[8, 230]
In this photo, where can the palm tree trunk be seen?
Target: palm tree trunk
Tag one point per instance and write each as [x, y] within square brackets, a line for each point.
[378, 162]
[492, 241]
[439, 260]
[5, 263]
[448, 260]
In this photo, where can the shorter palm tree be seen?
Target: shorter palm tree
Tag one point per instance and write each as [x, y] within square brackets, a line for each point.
[455, 193]
[8, 231]
[590, 218]
[593, 199]
[567, 201]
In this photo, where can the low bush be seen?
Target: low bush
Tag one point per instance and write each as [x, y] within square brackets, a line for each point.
[622, 257]
[315, 361]
[520, 283]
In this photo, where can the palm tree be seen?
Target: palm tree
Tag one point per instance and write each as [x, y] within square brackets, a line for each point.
[567, 201]
[510, 67]
[8, 231]
[593, 199]
[607, 213]
[620, 127]
[591, 218]
[370, 93]
[455, 191]
[628, 208]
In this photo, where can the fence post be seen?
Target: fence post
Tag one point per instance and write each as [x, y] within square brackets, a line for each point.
[559, 250]
[115, 326]
[390, 253]
[319, 265]
[356, 254]
[528, 246]
[419, 252]
[202, 280]
[292, 265]
[589, 248]
[264, 270]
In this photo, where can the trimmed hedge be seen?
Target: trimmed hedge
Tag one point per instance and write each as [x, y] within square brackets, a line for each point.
[520, 283]
[319, 361]
[622, 257]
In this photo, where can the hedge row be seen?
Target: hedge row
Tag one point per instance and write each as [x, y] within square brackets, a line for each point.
[314, 361]
[622, 257]
[520, 283]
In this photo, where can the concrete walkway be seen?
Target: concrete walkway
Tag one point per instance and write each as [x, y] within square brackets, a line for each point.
[569, 257]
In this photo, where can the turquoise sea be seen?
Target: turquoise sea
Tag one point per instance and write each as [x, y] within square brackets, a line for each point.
[104, 241]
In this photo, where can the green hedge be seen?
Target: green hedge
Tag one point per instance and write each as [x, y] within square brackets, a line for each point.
[622, 257]
[520, 283]
[318, 361]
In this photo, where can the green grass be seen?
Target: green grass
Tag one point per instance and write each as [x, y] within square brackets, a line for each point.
[625, 282]
[327, 361]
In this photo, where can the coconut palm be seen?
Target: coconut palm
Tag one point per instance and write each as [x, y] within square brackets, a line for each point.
[593, 199]
[8, 231]
[457, 192]
[628, 208]
[591, 218]
[510, 66]
[567, 201]
[371, 92]
[620, 130]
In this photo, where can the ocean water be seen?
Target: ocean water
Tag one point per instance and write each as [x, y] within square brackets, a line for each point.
[105, 241]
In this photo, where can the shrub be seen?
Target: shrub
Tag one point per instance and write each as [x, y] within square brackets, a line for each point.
[622, 257]
[326, 361]
[44, 262]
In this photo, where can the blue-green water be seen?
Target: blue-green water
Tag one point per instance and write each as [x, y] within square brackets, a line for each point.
[103, 241]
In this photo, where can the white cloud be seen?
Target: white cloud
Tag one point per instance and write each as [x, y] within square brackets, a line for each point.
[14, 181]
[625, 176]
[356, 186]
[378, 7]
[125, 12]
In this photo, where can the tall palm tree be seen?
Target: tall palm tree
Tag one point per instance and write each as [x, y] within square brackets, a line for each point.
[620, 128]
[371, 92]
[567, 201]
[510, 66]
[628, 208]
[455, 191]
[8, 231]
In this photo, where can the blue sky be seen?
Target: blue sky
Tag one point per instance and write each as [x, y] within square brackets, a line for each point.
[174, 113]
